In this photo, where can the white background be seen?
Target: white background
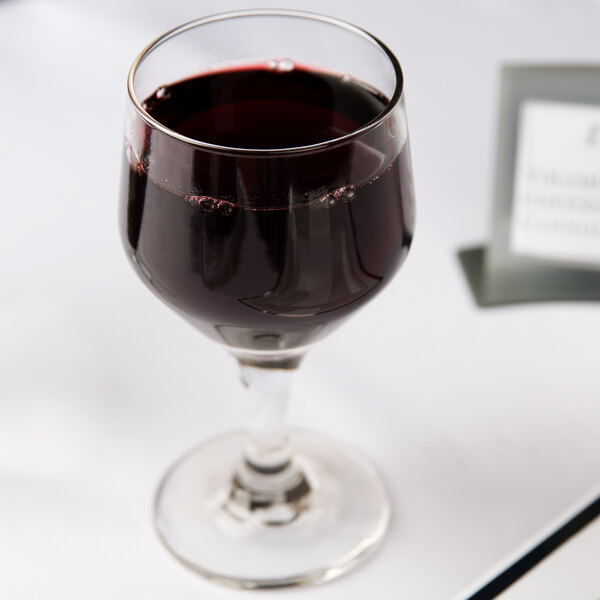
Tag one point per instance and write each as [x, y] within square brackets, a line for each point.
[485, 423]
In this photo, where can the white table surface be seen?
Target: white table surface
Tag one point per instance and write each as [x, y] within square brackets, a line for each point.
[485, 423]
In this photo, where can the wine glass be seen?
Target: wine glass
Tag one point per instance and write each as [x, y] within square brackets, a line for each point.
[267, 195]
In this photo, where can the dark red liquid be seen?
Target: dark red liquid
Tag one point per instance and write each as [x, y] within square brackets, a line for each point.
[264, 250]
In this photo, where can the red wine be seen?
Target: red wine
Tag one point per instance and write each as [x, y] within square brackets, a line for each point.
[264, 249]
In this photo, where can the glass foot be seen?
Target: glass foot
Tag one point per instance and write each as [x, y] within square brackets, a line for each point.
[332, 517]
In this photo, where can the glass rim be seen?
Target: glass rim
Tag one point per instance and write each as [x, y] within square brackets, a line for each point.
[152, 46]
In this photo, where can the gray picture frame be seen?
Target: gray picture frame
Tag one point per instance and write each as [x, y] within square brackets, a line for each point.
[496, 275]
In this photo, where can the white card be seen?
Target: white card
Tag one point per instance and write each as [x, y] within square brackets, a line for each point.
[556, 198]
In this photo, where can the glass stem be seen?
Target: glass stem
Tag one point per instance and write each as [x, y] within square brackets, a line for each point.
[267, 438]
[268, 481]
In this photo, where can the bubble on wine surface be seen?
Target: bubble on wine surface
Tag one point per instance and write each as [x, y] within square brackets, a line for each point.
[225, 208]
[203, 202]
[329, 200]
[343, 194]
[346, 78]
[208, 205]
[346, 193]
[163, 93]
[285, 65]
